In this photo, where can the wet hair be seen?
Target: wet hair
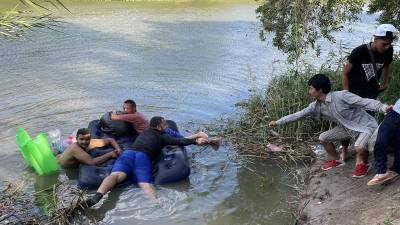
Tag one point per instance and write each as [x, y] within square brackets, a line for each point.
[155, 121]
[130, 102]
[320, 81]
[82, 131]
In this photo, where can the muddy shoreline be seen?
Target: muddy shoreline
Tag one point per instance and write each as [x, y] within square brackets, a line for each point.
[334, 197]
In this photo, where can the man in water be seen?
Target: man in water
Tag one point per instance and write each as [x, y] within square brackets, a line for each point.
[130, 115]
[77, 152]
[140, 123]
[136, 164]
[347, 110]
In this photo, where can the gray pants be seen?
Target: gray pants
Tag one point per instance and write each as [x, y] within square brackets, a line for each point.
[339, 133]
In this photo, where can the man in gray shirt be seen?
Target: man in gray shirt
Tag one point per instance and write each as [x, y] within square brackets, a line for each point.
[347, 110]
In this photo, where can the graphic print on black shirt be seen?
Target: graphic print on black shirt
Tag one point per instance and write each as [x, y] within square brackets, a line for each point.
[370, 71]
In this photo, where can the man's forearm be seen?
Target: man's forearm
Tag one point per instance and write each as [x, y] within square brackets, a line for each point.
[100, 159]
[385, 74]
[345, 75]
[115, 145]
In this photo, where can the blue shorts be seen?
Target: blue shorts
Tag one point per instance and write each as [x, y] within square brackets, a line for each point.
[137, 165]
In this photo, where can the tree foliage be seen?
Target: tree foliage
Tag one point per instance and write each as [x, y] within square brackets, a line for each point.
[299, 24]
[28, 14]
[389, 9]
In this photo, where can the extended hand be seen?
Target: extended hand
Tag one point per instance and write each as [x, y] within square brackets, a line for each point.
[389, 108]
[201, 135]
[114, 154]
[114, 115]
[118, 151]
[382, 88]
[201, 141]
[272, 124]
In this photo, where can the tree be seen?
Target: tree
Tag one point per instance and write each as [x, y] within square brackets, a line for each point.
[389, 9]
[28, 14]
[299, 24]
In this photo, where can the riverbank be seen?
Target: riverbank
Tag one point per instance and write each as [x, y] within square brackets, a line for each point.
[335, 198]
[332, 197]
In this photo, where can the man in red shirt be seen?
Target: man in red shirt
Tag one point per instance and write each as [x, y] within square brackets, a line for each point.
[140, 123]
[137, 119]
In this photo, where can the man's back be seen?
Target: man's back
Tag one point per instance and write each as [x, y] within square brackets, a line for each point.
[151, 142]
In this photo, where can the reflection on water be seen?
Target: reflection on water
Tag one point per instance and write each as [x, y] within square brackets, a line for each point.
[190, 62]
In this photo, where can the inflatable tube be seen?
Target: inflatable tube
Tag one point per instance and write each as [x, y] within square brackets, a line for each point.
[115, 128]
[37, 152]
[125, 141]
[172, 165]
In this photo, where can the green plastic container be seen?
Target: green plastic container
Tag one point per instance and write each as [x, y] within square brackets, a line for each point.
[37, 152]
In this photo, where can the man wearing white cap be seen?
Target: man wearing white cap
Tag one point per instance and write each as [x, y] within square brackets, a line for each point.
[366, 65]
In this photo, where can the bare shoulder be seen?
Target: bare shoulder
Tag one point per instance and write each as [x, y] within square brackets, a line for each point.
[73, 149]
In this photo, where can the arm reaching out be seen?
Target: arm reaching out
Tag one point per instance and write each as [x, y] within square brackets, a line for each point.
[85, 158]
[98, 143]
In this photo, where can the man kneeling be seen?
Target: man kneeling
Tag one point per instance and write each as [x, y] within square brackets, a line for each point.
[77, 152]
[136, 164]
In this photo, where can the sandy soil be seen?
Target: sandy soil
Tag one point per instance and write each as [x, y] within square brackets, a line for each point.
[335, 198]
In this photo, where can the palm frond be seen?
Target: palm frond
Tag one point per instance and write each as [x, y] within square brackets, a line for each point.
[15, 22]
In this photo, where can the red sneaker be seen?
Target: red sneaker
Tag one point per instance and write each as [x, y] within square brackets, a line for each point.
[361, 170]
[331, 164]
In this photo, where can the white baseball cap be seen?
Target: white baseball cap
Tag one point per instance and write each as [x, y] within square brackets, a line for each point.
[386, 30]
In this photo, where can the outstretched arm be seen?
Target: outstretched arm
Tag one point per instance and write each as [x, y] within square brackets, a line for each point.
[85, 158]
[295, 116]
[198, 135]
[98, 143]
[364, 103]
[168, 140]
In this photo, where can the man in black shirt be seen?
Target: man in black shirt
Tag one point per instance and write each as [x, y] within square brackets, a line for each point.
[136, 164]
[367, 65]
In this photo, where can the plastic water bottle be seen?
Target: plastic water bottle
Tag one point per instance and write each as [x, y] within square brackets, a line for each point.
[55, 140]
[319, 149]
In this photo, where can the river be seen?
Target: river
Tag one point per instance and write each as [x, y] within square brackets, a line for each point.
[190, 62]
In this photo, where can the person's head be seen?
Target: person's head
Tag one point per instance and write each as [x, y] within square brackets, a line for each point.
[384, 36]
[83, 138]
[158, 122]
[319, 84]
[129, 106]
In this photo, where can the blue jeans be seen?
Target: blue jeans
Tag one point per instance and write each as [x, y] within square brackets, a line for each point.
[388, 133]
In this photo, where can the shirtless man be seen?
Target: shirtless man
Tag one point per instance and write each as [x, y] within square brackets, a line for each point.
[77, 152]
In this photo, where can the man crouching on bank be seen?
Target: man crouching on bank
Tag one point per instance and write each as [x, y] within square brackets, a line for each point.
[347, 110]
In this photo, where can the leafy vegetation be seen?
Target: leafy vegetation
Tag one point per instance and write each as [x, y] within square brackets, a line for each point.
[26, 15]
[297, 25]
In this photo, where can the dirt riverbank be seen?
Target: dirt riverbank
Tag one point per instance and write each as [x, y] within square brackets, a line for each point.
[334, 197]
